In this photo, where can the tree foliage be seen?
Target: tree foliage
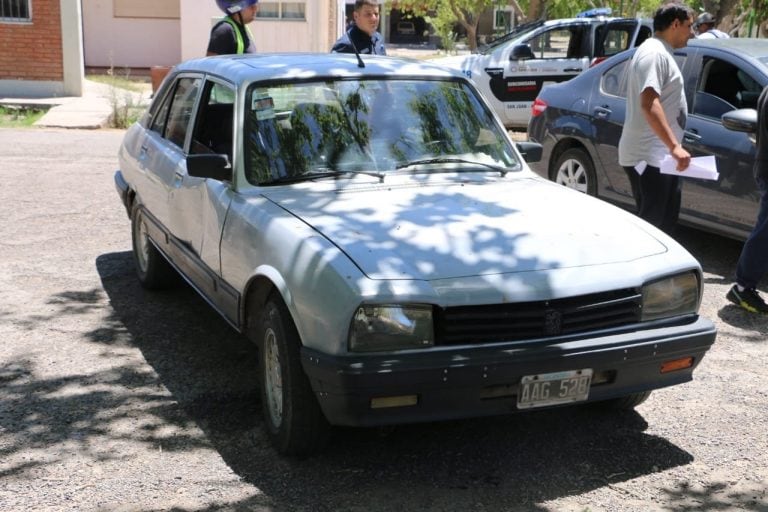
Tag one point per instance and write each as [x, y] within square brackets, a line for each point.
[444, 14]
[734, 16]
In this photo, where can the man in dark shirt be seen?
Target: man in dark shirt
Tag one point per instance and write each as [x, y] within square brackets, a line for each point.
[230, 35]
[362, 35]
[753, 262]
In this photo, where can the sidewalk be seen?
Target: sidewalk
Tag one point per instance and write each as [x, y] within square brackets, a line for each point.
[89, 111]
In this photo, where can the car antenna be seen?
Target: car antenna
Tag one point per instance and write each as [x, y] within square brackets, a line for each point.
[360, 62]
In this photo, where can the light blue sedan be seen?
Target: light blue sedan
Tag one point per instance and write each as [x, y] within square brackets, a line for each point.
[369, 225]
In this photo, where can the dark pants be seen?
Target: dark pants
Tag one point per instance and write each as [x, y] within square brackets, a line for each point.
[753, 262]
[657, 197]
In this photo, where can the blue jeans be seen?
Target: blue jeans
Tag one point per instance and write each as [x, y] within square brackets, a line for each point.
[753, 262]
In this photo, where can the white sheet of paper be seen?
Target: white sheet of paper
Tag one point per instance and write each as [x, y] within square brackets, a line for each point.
[702, 167]
[640, 168]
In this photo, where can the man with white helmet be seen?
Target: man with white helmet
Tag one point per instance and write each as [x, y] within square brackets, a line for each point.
[230, 35]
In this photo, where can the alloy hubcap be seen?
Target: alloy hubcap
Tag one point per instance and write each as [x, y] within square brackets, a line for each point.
[143, 245]
[573, 175]
[273, 378]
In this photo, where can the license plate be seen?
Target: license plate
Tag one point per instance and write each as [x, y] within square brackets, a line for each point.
[554, 388]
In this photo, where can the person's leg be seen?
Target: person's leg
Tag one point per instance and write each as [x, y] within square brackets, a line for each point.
[673, 190]
[659, 198]
[753, 262]
[634, 183]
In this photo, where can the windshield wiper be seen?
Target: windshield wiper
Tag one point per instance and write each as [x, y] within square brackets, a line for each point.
[453, 160]
[283, 180]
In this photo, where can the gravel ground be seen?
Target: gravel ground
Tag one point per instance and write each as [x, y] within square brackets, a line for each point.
[116, 399]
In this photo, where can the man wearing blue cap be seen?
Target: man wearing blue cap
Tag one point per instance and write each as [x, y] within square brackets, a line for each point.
[230, 35]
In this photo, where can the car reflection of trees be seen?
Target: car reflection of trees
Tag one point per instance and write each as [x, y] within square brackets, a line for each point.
[372, 129]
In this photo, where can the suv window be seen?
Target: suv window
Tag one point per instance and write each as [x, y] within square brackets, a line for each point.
[561, 43]
[613, 38]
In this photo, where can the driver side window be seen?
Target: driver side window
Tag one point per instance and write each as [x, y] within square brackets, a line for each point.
[724, 87]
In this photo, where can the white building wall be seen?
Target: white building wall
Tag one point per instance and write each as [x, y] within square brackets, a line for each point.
[310, 35]
[128, 42]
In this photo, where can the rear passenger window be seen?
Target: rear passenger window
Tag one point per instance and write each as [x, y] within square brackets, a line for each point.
[562, 43]
[181, 110]
[613, 83]
[173, 116]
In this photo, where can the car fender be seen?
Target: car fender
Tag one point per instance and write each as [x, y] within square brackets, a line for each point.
[570, 131]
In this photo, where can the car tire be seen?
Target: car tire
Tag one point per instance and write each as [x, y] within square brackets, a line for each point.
[625, 403]
[293, 419]
[575, 169]
[152, 268]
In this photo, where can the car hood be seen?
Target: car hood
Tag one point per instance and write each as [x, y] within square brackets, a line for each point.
[450, 230]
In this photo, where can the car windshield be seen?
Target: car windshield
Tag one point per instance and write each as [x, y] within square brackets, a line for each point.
[320, 130]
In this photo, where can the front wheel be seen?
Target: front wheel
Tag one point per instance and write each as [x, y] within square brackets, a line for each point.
[575, 169]
[625, 403]
[294, 422]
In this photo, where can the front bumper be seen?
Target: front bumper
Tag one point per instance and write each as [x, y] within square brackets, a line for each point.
[465, 382]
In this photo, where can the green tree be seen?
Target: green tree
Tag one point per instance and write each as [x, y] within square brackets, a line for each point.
[743, 18]
[734, 16]
[443, 14]
[553, 9]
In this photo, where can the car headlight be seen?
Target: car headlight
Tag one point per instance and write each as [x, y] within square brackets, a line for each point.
[391, 327]
[672, 296]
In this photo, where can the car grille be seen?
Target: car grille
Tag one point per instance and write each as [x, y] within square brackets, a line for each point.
[531, 320]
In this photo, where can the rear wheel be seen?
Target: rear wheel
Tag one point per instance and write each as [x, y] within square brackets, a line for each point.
[152, 268]
[293, 419]
[575, 169]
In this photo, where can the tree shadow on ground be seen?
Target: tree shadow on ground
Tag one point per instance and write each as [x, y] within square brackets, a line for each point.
[505, 462]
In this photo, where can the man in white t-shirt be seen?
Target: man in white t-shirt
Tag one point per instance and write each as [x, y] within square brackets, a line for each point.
[656, 115]
[705, 28]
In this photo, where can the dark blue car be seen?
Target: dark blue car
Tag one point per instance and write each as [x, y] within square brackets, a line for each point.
[579, 123]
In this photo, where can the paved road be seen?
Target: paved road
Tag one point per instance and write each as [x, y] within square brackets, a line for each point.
[112, 398]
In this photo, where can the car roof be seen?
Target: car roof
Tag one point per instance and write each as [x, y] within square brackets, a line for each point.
[300, 66]
[524, 30]
[750, 49]
[748, 46]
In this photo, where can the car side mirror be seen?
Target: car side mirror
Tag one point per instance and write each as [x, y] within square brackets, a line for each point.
[741, 120]
[522, 52]
[531, 151]
[208, 165]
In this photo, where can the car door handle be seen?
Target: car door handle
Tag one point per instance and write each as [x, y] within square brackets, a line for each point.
[602, 112]
[691, 137]
[572, 70]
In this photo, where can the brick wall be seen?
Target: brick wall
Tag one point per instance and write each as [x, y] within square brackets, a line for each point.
[33, 51]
